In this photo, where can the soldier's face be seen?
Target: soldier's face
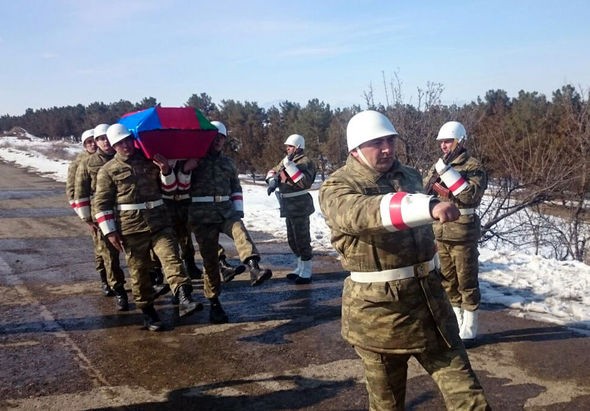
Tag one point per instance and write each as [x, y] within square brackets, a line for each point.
[380, 153]
[290, 149]
[90, 145]
[103, 143]
[218, 143]
[447, 145]
[125, 147]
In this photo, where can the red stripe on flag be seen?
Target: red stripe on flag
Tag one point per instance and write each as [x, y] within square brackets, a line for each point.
[395, 211]
[457, 184]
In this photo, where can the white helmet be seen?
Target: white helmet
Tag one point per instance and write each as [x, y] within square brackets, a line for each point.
[366, 126]
[220, 127]
[117, 132]
[452, 129]
[87, 135]
[295, 140]
[100, 130]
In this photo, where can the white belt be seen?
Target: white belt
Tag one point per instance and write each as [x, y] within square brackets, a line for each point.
[294, 194]
[467, 211]
[176, 197]
[210, 199]
[417, 270]
[141, 206]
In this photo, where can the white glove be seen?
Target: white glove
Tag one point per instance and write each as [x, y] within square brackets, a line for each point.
[441, 167]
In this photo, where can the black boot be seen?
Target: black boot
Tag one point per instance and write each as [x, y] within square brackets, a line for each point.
[193, 271]
[121, 300]
[216, 314]
[186, 305]
[257, 274]
[151, 319]
[228, 271]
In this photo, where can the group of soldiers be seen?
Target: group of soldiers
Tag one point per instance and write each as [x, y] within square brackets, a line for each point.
[149, 209]
[413, 287]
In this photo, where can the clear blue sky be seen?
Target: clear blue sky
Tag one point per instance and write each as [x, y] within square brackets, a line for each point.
[65, 52]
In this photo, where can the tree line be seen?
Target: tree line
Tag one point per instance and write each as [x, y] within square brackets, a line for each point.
[535, 148]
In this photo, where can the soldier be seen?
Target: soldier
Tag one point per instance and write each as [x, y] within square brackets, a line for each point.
[177, 204]
[89, 148]
[393, 305]
[85, 185]
[217, 207]
[459, 178]
[131, 214]
[293, 176]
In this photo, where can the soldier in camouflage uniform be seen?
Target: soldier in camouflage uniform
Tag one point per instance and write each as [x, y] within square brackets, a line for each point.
[293, 176]
[393, 303]
[130, 211]
[89, 148]
[85, 185]
[178, 204]
[217, 207]
[459, 178]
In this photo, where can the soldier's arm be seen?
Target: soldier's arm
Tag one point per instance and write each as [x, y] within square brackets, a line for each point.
[82, 191]
[236, 195]
[355, 213]
[477, 183]
[70, 189]
[105, 202]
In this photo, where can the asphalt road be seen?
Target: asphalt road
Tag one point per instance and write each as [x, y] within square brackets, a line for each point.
[63, 346]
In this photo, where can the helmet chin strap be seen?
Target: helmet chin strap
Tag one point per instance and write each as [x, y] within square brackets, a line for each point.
[363, 158]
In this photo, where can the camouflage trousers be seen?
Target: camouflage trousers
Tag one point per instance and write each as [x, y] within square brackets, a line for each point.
[298, 237]
[460, 269]
[207, 236]
[386, 377]
[98, 261]
[137, 253]
[107, 260]
[179, 216]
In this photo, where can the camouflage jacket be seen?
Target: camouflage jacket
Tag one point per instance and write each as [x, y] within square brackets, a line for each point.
[402, 316]
[294, 205]
[85, 184]
[215, 190]
[468, 227]
[131, 181]
[71, 180]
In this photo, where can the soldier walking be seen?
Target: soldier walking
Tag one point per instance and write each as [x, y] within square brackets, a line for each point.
[217, 207]
[131, 214]
[393, 304]
[85, 186]
[460, 179]
[89, 148]
[293, 177]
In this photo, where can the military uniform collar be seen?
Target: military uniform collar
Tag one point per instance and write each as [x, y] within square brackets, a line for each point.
[367, 172]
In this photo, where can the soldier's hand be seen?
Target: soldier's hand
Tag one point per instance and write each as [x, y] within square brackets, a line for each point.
[190, 165]
[162, 163]
[115, 239]
[445, 212]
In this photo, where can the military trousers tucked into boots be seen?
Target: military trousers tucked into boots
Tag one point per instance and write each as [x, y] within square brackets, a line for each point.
[137, 252]
[98, 260]
[207, 236]
[460, 270]
[386, 376]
